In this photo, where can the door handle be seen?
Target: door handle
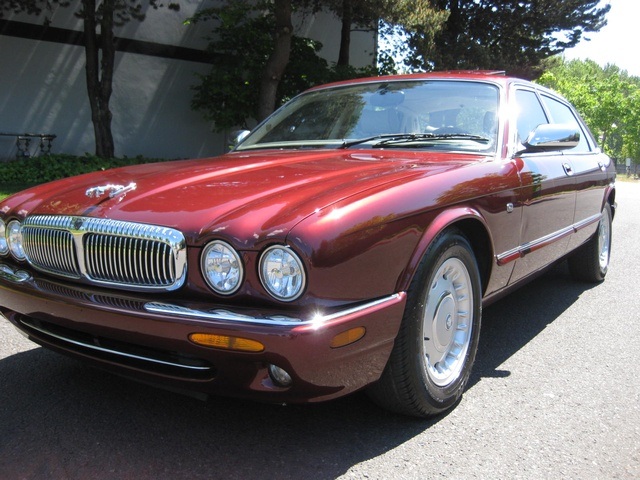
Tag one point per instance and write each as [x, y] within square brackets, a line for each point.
[567, 169]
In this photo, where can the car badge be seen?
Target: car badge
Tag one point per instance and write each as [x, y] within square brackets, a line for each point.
[77, 223]
[97, 192]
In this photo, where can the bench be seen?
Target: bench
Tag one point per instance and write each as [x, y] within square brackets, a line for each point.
[23, 142]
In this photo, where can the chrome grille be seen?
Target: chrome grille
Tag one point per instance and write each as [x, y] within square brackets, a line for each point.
[128, 260]
[52, 249]
[106, 252]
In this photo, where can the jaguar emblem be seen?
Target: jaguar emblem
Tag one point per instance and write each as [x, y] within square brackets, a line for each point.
[114, 190]
[77, 223]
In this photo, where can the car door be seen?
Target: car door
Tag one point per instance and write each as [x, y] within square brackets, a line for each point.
[547, 195]
[589, 170]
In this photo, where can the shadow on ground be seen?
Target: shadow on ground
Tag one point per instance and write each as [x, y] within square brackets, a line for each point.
[62, 419]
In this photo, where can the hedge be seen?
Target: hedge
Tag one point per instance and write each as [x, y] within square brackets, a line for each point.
[36, 170]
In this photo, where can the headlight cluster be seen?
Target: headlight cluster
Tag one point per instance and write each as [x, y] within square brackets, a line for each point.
[11, 239]
[222, 267]
[281, 271]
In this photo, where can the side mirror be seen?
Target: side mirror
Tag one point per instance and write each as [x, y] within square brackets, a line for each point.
[235, 138]
[549, 137]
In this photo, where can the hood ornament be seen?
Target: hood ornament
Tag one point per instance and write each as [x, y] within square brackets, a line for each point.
[97, 192]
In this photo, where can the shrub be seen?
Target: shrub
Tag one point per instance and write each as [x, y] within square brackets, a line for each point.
[16, 175]
[35, 170]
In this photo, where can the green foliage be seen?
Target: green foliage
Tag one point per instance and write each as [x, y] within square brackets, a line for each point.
[508, 35]
[36, 170]
[32, 7]
[229, 94]
[607, 98]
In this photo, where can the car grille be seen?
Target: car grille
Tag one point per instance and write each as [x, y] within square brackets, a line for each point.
[106, 252]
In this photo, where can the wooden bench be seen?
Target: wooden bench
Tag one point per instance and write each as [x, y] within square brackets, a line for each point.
[23, 142]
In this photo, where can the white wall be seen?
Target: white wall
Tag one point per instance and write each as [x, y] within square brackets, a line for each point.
[43, 88]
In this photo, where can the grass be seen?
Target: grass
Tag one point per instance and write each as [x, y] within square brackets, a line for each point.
[622, 177]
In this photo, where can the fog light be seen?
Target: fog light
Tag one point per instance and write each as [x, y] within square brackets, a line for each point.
[348, 337]
[226, 342]
[279, 376]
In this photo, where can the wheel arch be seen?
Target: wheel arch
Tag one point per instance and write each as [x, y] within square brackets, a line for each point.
[472, 225]
[611, 199]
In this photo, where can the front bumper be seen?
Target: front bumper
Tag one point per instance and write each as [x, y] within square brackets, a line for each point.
[139, 337]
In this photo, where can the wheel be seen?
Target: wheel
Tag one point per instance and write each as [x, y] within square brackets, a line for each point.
[435, 349]
[590, 262]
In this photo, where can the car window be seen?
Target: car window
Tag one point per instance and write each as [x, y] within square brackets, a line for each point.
[561, 113]
[445, 115]
[530, 113]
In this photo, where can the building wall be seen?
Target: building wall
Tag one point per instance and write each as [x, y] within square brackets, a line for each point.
[43, 88]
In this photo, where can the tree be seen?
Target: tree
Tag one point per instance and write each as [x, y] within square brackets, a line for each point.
[244, 50]
[631, 136]
[395, 16]
[99, 18]
[277, 61]
[511, 35]
[607, 99]
[251, 50]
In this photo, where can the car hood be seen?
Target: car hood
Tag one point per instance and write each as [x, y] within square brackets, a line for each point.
[248, 198]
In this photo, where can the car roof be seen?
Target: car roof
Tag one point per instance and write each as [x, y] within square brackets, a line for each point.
[495, 76]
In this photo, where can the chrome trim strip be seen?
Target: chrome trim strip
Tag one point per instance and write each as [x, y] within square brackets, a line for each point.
[276, 320]
[114, 352]
[587, 221]
[522, 250]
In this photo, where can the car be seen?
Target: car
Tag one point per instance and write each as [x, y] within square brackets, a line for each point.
[348, 242]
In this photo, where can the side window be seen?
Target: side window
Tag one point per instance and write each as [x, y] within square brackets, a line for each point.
[561, 113]
[530, 113]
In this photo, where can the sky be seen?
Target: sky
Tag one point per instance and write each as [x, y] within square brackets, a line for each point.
[617, 43]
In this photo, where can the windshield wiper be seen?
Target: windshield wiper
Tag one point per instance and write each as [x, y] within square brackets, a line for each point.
[387, 136]
[419, 137]
[389, 139]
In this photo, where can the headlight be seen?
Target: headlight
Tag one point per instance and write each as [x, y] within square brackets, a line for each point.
[222, 267]
[282, 273]
[4, 246]
[14, 238]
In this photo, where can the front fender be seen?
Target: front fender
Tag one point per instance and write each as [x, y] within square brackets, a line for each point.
[473, 225]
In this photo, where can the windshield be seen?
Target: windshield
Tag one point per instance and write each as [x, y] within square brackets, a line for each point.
[430, 114]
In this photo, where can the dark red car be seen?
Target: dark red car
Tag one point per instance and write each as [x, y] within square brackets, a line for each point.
[349, 241]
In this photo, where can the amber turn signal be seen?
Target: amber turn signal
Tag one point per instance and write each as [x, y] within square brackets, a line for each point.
[226, 342]
[347, 338]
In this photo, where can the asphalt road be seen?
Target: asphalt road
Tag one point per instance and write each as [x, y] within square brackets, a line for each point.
[555, 395]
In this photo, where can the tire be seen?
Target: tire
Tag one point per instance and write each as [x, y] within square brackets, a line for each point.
[433, 355]
[590, 262]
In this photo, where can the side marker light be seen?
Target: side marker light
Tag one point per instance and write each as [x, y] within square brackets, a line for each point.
[226, 342]
[347, 338]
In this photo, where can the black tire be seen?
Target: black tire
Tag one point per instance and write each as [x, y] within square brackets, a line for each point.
[590, 262]
[442, 323]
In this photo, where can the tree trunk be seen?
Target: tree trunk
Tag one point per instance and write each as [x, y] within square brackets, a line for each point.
[345, 33]
[277, 61]
[100, 56]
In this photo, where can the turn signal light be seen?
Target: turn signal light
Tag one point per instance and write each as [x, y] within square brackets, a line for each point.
[348, 337]
[226, 342]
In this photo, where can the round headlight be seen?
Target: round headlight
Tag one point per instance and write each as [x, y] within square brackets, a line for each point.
[4, 246]
[282, 273]
[222, 267]
[14, 238]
